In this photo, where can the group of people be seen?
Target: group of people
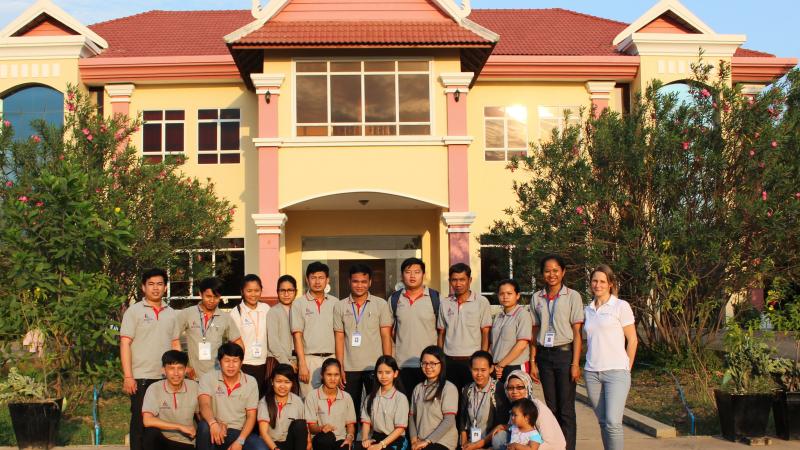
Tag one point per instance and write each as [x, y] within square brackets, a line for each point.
[438, 372]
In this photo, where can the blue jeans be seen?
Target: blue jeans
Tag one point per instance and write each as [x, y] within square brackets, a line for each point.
[253, 441]
[608, 391]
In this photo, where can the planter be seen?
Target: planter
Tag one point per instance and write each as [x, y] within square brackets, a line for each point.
[743, 415]
[36, 424]
[786, 411]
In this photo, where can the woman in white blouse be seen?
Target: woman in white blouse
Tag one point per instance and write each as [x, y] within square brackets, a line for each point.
[610, 349]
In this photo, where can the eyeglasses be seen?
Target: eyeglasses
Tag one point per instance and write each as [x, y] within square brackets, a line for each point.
[429, 364]
[515, 388]
[287, 291]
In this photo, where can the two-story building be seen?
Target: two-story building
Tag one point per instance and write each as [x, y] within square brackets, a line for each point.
[356, 130]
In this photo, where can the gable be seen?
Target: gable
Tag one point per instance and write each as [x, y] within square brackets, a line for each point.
[336, 10]
[668, 23]
[45, 25]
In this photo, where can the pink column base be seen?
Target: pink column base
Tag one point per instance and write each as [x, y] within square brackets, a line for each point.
[459, 248]
[269, 253]
[599, 105]
[121, 108]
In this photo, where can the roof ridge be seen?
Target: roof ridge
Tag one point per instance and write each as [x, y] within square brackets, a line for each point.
[553, 9]
[151, 11]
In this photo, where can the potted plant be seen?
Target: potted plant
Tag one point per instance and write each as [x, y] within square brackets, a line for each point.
[745, 398]
[783, 311]
[34, 416]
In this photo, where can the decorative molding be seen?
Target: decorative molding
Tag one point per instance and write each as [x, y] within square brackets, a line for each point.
[760, 69]
[659, 9]
[555, 68]
[267, 142]
[269, 223]
[153, 70]
[350, 191]
[28, 71]
[268, 90]
[457, 140]
[461, 90]
[120, 92]
[367, 141]
[666, 44]
[267, 80]
[458, 222]
[51, 9]
[752, 89]
[600, 89]
[456, 79]
[47, 47]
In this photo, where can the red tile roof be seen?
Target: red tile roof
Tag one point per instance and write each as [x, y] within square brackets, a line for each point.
[362, 33]
[522, 32]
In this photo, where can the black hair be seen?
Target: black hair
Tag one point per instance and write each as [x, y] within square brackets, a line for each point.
[481, 354]
[284, 370]
[212, 283]
[285, 278]
[230, 349]
[251, 277]
[392, 363]
[171, 357]
[552, 257]
[527, 408]
[154, 272]
[437, 353]
[330, 362]
[360, 268]
[317, 266]
[411, 262]
[460, 268]
[511, 282]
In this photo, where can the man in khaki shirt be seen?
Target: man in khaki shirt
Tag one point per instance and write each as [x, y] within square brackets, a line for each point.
[169, 407]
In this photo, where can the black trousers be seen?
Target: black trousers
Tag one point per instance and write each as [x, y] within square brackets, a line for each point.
[260, 374]
[326, 441]
[154, 439]
[296, 438]
[410, 377]
[137, 426]
[355, 382]
[458, 372]
[558, 388]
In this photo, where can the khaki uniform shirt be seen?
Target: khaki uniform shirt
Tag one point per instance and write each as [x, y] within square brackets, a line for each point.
[507, 330]
[294, 409]
[174, 407]
[415, 328]
[230, 403]
[389, 411]
[279, 335]
[462, 324]
[218, 330]
[338, 412]
[315, 321]
[149, 331]
[567, 310]
[374, 314]
[428, 414]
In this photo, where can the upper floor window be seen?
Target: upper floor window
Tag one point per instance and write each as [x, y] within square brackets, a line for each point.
[218, 136]
[30, 103]
[226, 263]
[505, 132]
[557, 118]
[362, 98]
[162, 133]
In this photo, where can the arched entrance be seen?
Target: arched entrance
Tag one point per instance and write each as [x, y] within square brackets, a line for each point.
[26, 104]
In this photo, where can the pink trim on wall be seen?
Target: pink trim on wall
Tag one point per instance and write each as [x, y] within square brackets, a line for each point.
[307, 10]
[108, 70]
[268, 116]
[457, 111]
[620, 68]
[267, 180]
[269, 256]
[599, 105]
[760, 69]
[457, 177]
[458, 247]
[123, 108]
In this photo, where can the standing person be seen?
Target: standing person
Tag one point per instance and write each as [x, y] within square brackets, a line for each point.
[279, 333]
[363, 326]
[555, 359]
[250, 318]
[281, 412]
[145, 334]
[329, 412]
[518, 386]
[434, 403]
[206, 327]
[415, 309]
[169, 407]
[484, 406]
[610, 350]
[511, 331]
[228, 403]
[311, 318]
[465, 319]
[384, 414]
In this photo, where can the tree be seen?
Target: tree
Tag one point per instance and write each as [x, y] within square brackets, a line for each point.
[690, 202]
[80, 216]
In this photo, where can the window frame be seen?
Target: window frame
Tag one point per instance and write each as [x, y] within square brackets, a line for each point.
[510, 254]
[505, 149]
[190, 278]
[163, 154]
[575, 113]
[363, 123]
[219, 121]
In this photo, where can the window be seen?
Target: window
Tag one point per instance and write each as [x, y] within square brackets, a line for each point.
[28, 104]
[500, 261]
[226, 263]
[162, 134]
[505, 132]
[557, 118]
[218, 136]
[362, 98]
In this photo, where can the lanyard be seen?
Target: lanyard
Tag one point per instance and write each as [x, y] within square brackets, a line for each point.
[474, 402]
[204, 326]
[360, 314]
[551, 308]
[257, 322]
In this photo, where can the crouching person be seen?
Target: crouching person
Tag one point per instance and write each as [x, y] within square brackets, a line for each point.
[228, 403]
[281, 412]
[169, 407]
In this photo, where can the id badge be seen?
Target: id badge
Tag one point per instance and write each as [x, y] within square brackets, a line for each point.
[475, 434]
[255, 350]
[549, 338]
[204, 351]
[356, 340]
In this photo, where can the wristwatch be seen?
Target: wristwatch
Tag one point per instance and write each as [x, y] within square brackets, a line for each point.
[240, 441]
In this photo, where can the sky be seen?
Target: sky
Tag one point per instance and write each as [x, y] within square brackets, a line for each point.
[770, 25]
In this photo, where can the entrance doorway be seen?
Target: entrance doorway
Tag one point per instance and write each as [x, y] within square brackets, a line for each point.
[378, 267]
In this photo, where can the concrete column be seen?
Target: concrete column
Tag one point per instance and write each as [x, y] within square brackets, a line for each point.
[600, 93]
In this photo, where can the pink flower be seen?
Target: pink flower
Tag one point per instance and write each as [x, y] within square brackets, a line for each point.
[85, 131]
[714, 105]
[36, 138]
[764, 195]
[103, 128]
[70, 107]
[686, 146]
[752, 153]
[579, 210]
[762, 164]
[758, 135]
[98, 190]
[60, 157]
[797, 195]
[6, 123]
[583, 221]
[231, 211]
[705, 93]
[23, 199]
[162, 174]
[757, 261]
[118, 135]
[11, 183]
[39, 204]
[89, 137]
[774, 144]
[71, 96]
[769, 213]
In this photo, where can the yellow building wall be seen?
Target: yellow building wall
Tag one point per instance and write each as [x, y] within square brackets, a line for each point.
[670, 69]
[55, 73]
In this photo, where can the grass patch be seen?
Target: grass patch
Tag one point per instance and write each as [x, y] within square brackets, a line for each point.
[77, 426]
